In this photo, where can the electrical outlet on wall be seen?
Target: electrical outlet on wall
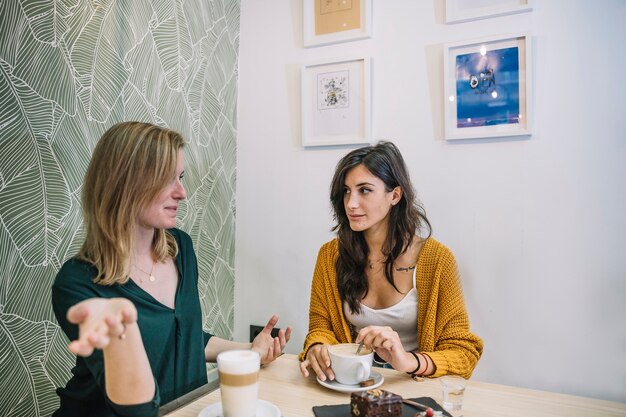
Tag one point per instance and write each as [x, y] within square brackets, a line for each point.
[255, 330]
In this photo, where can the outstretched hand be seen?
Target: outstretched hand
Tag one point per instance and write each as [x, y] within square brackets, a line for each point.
[99, 320]
[271, 347]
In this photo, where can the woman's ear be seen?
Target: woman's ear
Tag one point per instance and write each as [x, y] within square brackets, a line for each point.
[396, 195]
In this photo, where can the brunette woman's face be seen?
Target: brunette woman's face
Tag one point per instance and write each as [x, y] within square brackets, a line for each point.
[161, 212]
[367, 201]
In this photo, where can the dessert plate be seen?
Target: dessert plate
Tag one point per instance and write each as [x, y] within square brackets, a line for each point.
[264, 409]
[334, 385]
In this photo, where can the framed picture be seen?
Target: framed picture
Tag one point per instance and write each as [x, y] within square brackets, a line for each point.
[458, 11]
[336, 102]
[332, 21]
[487, 88]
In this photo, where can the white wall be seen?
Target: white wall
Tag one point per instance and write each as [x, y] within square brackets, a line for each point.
[538, 225]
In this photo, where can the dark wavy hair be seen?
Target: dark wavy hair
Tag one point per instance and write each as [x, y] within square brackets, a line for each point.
[405, 219]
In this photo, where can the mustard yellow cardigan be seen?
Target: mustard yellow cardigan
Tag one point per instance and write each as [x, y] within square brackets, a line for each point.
[442, 322]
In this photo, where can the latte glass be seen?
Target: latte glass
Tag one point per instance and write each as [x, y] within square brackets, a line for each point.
[239, 382]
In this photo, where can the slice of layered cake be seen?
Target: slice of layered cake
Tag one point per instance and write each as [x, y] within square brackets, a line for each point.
[375, 403]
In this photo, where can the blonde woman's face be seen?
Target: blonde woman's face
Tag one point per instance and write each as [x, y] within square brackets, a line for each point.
[366, 200]
[161, 212]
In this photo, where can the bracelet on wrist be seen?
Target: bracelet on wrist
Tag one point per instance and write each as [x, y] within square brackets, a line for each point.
[425, 360]
[419, 364]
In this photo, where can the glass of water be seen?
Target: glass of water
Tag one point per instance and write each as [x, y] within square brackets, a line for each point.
[452, 389]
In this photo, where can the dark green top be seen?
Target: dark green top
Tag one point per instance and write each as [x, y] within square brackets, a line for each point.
[173, 339]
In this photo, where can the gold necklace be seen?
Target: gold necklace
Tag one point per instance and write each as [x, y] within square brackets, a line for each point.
[372, 263]
[152, 278]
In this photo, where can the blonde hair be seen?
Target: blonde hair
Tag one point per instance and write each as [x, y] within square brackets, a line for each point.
[130, 165]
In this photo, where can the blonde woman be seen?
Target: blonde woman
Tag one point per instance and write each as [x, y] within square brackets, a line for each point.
[129, 300]
[383, 284]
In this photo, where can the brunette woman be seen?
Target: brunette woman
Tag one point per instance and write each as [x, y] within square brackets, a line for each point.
[382, 283]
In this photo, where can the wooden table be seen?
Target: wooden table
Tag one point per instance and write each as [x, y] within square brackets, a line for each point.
[282, 384]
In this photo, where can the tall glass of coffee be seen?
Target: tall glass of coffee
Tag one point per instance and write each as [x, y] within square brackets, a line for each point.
[239, 382]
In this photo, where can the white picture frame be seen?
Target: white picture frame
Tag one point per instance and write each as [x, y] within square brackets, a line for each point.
[324, 21]
[488, 87]
[336, 102]
[458, 11]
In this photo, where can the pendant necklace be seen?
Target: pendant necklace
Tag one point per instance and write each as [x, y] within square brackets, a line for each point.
[152, 278]
[372, 263]
[371, 266]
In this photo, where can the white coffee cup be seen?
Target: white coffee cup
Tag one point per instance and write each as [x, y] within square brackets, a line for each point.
[348, 367]
[239, 382]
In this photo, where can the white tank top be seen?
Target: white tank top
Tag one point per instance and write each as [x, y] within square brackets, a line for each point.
[401, 317]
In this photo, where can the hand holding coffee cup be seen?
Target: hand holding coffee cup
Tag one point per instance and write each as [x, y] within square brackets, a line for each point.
[349, 367]
[239, 382]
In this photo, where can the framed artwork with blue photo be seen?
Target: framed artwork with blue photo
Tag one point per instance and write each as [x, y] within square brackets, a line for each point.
[487, 85]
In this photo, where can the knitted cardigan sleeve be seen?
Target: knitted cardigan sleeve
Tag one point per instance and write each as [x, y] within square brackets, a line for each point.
[326, 322]
[445, 329]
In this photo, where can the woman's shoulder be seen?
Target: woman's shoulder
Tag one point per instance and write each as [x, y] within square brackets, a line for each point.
[75, 270]
[434, 250]
[179, 234]
[182, 238]
[330, 248]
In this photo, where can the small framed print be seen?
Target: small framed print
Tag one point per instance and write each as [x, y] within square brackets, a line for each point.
[458, 11]
[487, 88]
[331, 21]
[336, 102]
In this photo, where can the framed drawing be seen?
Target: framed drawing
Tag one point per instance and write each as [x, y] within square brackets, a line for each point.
[332, 21]
[487, 88]
[336, 102]
[458, 11]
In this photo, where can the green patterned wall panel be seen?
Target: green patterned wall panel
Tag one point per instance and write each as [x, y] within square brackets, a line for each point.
[69, 69]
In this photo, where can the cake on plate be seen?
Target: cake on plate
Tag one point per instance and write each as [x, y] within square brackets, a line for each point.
[375, 403]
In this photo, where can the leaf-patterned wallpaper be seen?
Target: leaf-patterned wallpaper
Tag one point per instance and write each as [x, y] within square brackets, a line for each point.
[69, 69]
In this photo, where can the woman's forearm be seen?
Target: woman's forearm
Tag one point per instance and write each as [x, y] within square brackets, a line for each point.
[127, 372]
[217, 345]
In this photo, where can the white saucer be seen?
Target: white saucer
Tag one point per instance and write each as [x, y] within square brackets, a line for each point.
[264, 409]
[334, 385]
